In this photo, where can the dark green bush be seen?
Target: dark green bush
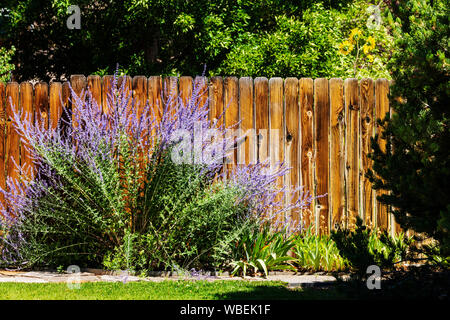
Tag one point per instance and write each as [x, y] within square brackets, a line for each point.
[362, 247]
[415, 168]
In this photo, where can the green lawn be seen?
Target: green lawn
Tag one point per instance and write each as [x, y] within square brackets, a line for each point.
[166, 290]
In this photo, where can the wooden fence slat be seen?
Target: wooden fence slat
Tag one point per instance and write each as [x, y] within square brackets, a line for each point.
[396, 228]
[306, 153]
[276, 112]
[41, 103]
[13, 136]
[276, 133]
[154, 96]
[216, 105]
[55, 103]
[247, 149]
[352, 146]
[94, 83]
[140, 92]
[107, 83]
[139, 105]
[202, 92]
[128, 83]
[382, 108]
[202, 84]
[65, 94]
[2, 140]
[367, 194]
[185, 88]
[26, 103]
[321, 141]
[262, 118]
[292, 112]
[128, 88]
[170, 93]
[66, 115]
[78, 83]
[337, 153]
[231, 96]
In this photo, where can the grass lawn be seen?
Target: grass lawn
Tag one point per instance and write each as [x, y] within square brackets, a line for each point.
[166, 290]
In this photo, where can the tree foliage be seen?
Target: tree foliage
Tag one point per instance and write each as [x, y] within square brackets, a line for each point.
[241, 38]
[415, 168]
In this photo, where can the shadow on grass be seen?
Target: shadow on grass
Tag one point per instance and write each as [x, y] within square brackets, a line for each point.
[416, 284]
[283, 293]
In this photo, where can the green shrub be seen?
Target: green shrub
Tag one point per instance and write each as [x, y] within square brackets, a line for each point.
[317, 253]
[196, 229]
[414, 168]
[263, 250]
[363, 247]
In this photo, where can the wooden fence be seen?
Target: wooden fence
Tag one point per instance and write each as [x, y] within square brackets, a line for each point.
[324, 130]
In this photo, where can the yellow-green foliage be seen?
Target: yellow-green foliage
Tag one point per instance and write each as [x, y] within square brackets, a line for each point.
[5, 65]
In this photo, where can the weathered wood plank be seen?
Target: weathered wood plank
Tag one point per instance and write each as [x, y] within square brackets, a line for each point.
[107, 83]
[276, 133]
[201, 84]
[154, 96]
[247, 149]
[216, 105]
[140, 91]
[396, 228]
[321, 140]
[382, 109]
[337, 153]
[292, 115]
[55, 103]
[67, 110]
[276, 112]
[26, 103]
[125, 82]
[262, 118]
[186, 87]
[367, 194]
[94, 84]
[170, 94]
[306, 151]
[352, 146]
[231, 98]
[2, 141]
[139, 105]
[13, 136]
[41, 103]
[78, 83]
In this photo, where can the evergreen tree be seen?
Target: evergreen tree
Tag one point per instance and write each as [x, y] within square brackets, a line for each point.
[415, 167]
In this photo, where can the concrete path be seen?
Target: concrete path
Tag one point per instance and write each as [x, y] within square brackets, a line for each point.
[293, 280]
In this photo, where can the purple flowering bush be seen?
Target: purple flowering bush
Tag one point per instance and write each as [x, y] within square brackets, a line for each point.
[125, 189]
